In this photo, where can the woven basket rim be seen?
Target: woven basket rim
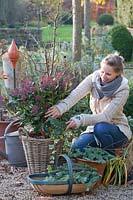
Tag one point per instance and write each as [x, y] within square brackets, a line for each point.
[24, 137]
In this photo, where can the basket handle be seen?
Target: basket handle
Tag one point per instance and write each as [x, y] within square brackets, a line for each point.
[70, 170]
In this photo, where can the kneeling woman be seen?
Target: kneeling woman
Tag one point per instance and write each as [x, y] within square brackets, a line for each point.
[107, 126]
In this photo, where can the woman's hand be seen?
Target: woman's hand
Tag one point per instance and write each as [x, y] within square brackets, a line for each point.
[52, 112]
[70, 124]
[74, 122]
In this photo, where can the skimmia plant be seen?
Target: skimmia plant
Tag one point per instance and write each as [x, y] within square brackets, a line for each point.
[32, 100]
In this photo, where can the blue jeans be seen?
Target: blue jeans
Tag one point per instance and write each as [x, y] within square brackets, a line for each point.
[106, 136]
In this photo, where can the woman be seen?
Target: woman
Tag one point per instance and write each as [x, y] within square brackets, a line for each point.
[107, 127]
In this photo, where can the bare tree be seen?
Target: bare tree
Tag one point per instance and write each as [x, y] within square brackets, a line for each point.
[77, 27]
[52, 9]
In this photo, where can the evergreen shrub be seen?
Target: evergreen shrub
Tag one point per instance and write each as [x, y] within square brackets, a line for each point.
[122, 41]
[105, 19]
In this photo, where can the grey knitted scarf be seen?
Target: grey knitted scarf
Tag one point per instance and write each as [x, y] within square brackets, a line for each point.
[107, 89]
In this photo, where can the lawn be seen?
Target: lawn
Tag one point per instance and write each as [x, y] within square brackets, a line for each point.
[64, 33]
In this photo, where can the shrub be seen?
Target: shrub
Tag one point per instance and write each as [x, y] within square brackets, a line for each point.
[122, 41]
[128, 106]
[105, 19]
[32, 100]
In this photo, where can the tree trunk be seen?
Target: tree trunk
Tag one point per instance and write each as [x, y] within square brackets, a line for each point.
[77, 28]
[87, 19]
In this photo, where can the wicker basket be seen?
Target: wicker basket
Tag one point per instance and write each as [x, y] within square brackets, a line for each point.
[38, 153]
[64, 187]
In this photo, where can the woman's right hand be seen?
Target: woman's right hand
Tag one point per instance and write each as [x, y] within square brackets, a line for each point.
[70, 124]
[52, 112]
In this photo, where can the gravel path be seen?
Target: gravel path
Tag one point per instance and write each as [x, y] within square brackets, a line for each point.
[13, 186]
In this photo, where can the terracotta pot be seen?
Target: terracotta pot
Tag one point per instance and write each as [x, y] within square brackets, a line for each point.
[99, 167]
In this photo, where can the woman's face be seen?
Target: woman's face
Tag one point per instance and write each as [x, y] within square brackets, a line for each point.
[107, 73]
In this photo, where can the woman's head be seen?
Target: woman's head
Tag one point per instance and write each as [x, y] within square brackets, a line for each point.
[111, 67]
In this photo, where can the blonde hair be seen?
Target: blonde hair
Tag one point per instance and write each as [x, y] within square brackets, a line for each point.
[115, 61]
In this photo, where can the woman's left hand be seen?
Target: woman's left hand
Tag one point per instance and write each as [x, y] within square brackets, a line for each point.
[70, 124]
